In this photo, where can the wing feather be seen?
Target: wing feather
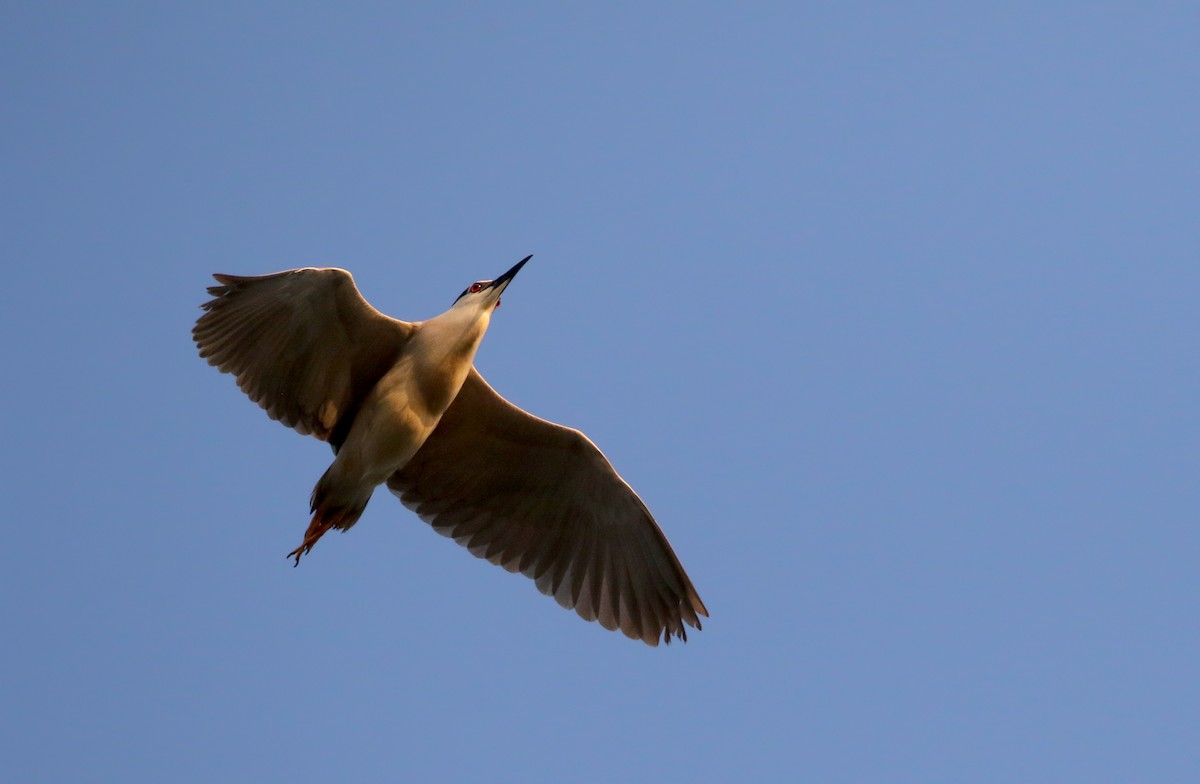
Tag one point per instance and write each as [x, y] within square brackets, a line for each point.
[303, 344]
[541, 499]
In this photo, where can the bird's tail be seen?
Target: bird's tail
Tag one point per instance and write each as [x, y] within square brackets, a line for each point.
[332, 507]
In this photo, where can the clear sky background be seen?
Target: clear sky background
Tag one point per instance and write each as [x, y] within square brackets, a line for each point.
[889, 312]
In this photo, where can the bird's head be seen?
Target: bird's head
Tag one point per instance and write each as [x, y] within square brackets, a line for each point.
[484, 295]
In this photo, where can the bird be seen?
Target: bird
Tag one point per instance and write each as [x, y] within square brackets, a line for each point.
[402, 405]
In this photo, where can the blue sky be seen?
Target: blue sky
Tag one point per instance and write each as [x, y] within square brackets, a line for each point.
[889, 312]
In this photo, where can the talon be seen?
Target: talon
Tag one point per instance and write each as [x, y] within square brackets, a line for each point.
[321, 522]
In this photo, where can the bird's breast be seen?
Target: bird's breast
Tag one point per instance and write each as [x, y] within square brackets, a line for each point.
[399, 414]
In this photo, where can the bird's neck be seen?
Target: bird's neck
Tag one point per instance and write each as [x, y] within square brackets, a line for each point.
[454, 335]
[445, 349]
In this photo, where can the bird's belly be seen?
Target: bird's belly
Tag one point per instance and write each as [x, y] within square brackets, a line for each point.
[387, 432]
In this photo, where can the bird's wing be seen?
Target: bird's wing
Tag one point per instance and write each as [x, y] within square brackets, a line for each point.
[303, 344]
[540, 499]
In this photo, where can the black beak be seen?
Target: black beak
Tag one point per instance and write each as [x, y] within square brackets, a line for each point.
[512, 273]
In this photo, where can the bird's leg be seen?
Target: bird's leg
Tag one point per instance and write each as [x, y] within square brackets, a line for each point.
[334, 504]
[316, 529]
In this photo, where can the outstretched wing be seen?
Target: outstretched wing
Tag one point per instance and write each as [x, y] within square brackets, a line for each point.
[303, 344]
[540, 499]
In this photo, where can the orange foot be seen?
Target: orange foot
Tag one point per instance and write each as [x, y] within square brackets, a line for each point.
[315, 531]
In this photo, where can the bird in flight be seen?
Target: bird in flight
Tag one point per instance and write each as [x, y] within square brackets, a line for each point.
[402, 404]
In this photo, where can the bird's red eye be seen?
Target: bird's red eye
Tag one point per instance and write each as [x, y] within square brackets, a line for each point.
[475, 287]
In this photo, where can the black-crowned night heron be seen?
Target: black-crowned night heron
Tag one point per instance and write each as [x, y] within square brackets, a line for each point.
[401, 403]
